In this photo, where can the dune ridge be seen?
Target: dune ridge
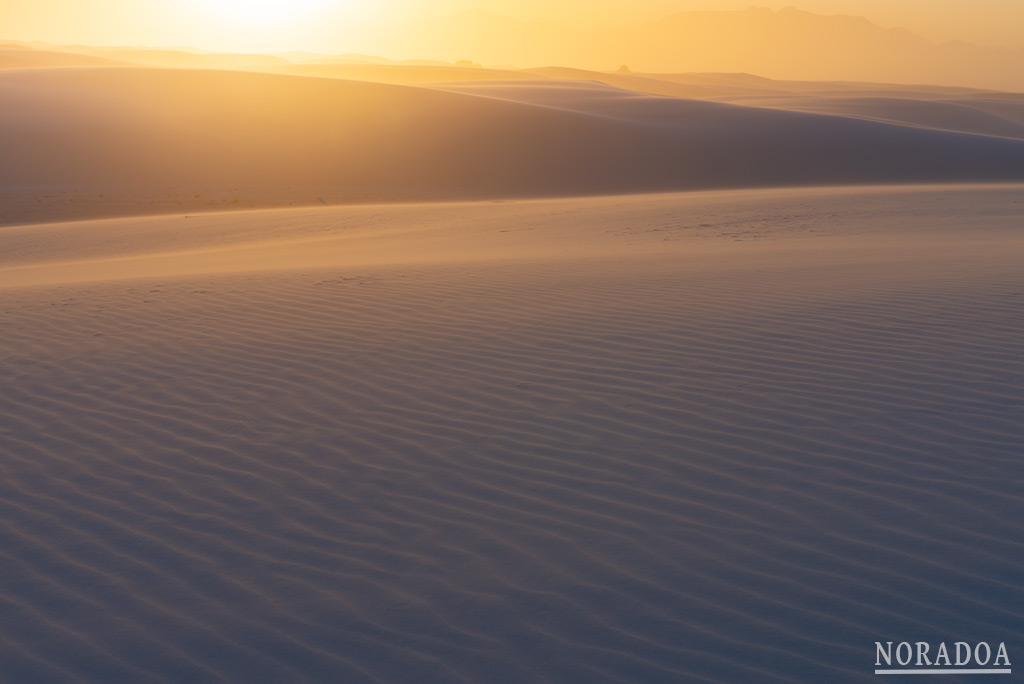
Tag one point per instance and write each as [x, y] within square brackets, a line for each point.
[407, 233]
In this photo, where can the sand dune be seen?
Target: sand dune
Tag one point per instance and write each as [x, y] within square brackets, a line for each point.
[706, 437]
[576, 426]
[185, 59]
[20, 55]
[399, 73]
[22, 58]
[965, 116]
[935, 107]
[410, 233]
[968, 115]
[649, 84]
[738, 87]
[120, 132]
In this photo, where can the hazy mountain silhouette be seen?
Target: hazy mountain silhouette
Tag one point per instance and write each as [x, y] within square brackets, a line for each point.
[792, 43]
[788, 44]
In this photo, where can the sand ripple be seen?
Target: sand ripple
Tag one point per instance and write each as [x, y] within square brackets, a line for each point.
[644, 469]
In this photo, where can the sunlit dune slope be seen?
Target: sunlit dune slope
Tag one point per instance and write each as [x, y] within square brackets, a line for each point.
[14, 57]
[183, 59]
[399, 73]
[123, 128]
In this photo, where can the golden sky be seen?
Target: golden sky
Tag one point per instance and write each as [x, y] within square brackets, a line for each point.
[335, 26]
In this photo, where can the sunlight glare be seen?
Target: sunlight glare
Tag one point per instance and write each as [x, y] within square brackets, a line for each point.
[262, 12]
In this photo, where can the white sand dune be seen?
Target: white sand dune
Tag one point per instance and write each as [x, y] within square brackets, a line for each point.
[730, 436]
[15, 57]
[399, 73]
[965, 116]
[936, 108]
[733, 86]
[753, 82]
[104, 134]
[22, 55]
[183, 59]
[650, 84]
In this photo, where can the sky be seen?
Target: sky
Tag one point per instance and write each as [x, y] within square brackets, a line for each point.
[334, 26]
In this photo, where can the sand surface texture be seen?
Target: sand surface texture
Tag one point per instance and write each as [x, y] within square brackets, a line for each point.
[725, 436]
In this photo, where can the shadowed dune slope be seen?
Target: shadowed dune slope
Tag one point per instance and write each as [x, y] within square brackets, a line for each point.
[623, 96]
[962, 110]
[142, 127]
[1004, 119]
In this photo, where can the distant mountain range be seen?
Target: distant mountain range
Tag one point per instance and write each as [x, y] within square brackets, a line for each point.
[787, 44]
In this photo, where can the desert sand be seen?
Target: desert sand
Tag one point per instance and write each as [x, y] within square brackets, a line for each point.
[346, 371]
[720, 436]
[98, 142]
